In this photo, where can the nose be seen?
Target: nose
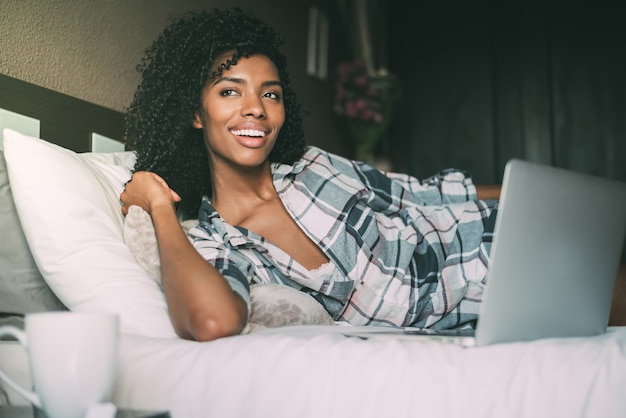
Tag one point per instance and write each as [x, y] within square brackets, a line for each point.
[253, 106]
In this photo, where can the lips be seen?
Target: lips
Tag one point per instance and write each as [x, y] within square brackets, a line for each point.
[251, 138]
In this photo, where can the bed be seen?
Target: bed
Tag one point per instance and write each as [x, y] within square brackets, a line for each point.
[63, 244]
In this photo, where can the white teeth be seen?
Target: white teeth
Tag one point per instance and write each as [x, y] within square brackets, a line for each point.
[248, 132]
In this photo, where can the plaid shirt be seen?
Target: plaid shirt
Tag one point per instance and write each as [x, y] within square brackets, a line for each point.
[405, 252]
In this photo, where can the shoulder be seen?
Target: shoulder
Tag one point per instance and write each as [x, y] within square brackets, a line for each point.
[313, 153]
[319, 169]
[313, 159]
[318, 157]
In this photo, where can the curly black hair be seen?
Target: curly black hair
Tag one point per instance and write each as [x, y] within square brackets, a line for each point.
[174, 70]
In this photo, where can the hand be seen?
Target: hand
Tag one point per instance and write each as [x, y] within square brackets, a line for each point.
[147, 190]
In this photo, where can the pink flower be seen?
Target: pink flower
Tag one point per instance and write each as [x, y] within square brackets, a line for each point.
[351, 109]
[361, 81]
[362, 96]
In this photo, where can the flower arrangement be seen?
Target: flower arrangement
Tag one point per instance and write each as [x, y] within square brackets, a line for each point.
[368, 102]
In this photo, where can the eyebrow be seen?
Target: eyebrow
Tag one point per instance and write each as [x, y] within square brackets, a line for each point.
[242, 81]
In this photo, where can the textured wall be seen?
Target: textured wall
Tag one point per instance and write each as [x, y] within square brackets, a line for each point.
[89, 48]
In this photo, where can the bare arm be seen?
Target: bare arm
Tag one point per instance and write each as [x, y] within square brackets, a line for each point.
[201, 303]
[618, 308]
[490, 192]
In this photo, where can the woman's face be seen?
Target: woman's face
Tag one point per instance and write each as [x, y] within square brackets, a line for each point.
[241, 113]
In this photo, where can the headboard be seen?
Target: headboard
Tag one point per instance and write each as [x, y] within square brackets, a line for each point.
[64, 120]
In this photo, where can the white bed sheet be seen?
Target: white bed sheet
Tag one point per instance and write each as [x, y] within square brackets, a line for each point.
[315, 372]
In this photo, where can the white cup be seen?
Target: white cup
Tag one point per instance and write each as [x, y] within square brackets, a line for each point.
[73, 360]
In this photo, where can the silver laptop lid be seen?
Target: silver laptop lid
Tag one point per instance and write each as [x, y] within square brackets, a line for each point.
[555, 255]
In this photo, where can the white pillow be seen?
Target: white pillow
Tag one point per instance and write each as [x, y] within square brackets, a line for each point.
[69, 207]
[140, 237]
[275, 305]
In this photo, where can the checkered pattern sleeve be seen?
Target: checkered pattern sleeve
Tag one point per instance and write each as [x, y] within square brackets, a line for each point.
[392, 192]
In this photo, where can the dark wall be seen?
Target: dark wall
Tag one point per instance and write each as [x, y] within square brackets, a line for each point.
[483, 82]
[290, 18]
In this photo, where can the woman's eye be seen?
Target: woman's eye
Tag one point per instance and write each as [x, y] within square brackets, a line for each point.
[228, 92]
[272, 95]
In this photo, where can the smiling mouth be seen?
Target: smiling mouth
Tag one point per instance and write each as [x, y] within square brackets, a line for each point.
[248, 132]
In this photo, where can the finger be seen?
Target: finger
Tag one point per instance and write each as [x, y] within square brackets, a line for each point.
[160, 180]
[123, 197]
[123, 207]
[175, 196]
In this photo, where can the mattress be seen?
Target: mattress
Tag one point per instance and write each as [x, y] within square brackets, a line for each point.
[317, 372]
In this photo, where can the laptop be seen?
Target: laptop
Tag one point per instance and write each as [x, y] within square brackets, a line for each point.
[556, 251]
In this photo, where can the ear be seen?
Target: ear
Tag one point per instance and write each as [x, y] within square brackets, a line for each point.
[197, 122]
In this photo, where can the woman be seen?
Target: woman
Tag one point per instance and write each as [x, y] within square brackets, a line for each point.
[215, 116]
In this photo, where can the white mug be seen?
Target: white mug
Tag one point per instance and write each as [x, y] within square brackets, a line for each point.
[73, 360]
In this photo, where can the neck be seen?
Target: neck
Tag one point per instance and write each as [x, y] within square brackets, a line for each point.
[237, 192]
